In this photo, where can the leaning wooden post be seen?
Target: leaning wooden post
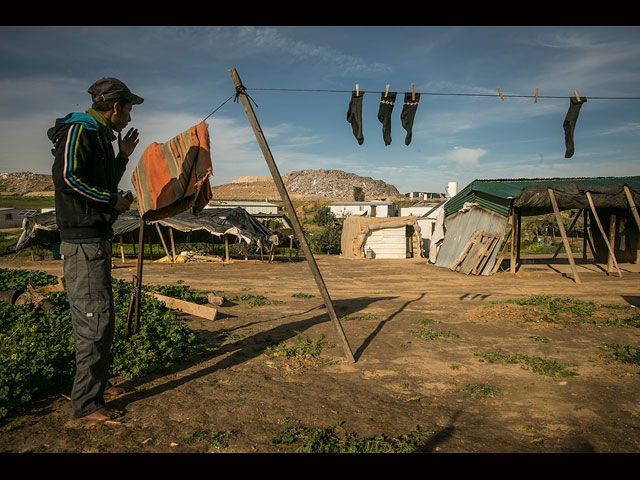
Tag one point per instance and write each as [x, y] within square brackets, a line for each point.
[266, 152]
[121, 249]
[173, 245]
[164, 245]
[584, 234]
[565, 240]
[604, 235]
[612, 241]
[634, 211]
[513, 240]
[568, 232]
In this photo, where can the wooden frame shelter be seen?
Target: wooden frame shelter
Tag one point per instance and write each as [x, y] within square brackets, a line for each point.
[594, 198]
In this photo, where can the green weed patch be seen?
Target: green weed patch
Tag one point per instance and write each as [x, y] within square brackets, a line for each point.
[335, 440]
[428, 334]
[539, 365]
[481, 390]
[622, 353]
[557, 309]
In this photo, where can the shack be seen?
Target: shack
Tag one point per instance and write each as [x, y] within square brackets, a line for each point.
[366, 237]
[608, 207]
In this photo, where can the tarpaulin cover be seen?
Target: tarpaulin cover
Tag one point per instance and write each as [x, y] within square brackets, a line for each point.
[535, 199]
[37, 230]
[173, 177]
[42, 229]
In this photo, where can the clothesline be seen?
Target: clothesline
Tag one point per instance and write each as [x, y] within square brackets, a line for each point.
[442, 94]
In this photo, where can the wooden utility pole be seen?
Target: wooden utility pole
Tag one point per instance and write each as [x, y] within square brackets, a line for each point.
[266, 152]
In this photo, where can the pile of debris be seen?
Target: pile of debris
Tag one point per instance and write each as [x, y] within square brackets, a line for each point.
[337, 184]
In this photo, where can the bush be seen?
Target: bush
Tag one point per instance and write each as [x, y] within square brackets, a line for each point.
[324, 217]
[327, 240]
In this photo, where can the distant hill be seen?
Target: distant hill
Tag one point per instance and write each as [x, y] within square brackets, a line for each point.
[26, 184]
[306, 185]
[302, 185]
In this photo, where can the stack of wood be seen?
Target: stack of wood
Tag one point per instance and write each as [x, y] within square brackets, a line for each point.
[476, 253]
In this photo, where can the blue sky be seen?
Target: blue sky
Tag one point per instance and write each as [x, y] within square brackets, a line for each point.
[183, 75]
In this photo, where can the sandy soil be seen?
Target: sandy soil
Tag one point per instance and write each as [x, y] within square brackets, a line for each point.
[398, 382]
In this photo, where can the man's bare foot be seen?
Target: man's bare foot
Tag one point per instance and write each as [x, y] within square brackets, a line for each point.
[113, 390]
[103, 414]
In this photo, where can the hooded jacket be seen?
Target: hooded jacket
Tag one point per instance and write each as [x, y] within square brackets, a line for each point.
[86, 173]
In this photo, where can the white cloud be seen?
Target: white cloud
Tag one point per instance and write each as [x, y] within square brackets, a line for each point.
[461, 156]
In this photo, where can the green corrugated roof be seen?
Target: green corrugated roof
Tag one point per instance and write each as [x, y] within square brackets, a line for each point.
[497, 195]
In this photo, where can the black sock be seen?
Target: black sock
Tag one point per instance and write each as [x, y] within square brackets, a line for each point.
[569, 124]
[408, 113]
[354, 115]
[384, 115]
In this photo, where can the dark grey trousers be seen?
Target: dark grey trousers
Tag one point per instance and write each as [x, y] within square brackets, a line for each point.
[87, 274]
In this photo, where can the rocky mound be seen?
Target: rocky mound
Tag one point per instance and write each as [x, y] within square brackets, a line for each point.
[26, 183]
[336, 184]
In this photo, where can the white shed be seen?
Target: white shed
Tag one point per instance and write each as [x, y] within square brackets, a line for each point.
[373, 208]
[12, 217]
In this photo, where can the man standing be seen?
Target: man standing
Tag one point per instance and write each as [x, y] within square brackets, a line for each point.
[86, 173]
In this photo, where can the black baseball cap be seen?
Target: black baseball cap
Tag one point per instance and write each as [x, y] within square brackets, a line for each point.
[109, 88]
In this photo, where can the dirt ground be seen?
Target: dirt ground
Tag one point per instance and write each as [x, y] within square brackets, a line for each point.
[398, 382]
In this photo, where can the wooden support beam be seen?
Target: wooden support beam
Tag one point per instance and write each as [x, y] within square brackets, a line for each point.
[262, 142]
[634, 211]
[565, 240]
[514, 233]
[584, 234]
[226, 248]
[568, 232]
[121, 249]
[604, 235]
[612, 241]
[173, 245]
[164, 245]
[503, 250]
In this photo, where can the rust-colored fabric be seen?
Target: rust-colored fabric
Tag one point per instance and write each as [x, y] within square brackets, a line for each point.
[172, 177]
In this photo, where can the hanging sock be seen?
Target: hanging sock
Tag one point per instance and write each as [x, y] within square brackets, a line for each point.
[569, 124]
[384, 115]
[408, 113]
[354, 115]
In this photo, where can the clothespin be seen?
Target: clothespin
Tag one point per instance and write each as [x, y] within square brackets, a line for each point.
[357, 89]
[386, 92]
[413, 93]
[536, 99]
[577, 97]
[500, 92]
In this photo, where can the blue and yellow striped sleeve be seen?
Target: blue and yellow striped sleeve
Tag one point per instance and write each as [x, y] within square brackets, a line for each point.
[75, 163]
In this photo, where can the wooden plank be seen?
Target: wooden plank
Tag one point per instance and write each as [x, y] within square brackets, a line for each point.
[604, 235]
[202, 311]
[514, 229]
[293, 217]
[493, 239]
[475, 254]
[503, 250]
[565, 240]
[465, 250]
